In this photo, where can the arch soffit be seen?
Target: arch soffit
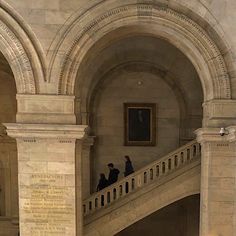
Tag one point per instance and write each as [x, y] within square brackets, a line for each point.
[177, 28]
[18, 47]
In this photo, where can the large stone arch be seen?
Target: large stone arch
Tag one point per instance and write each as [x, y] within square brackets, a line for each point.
[157, 20]
[20, 48]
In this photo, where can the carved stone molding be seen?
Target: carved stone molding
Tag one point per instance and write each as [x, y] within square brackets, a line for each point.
[15, 54]
[21, 49]
[86, 31]
[34, 132]
[205, 135]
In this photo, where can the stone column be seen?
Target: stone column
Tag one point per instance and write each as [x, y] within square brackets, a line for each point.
[218, 178]
[46, 173]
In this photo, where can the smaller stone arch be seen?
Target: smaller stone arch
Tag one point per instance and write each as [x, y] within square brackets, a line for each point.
[18, 47]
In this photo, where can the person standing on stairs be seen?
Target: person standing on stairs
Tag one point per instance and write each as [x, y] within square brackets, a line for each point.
[128, 166]
[103, 182]
[113, 175]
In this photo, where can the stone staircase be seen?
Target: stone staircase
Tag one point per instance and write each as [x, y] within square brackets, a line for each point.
[175, 176]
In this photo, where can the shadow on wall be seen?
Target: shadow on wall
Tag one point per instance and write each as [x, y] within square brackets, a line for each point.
[178, 219]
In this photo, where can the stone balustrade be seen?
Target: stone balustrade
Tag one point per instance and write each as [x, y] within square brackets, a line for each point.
[157, 169]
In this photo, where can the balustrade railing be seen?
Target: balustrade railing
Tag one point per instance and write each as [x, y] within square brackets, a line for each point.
[142, 177]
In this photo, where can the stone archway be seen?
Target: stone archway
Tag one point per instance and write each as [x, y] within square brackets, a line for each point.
[21, 51]
[152, 19]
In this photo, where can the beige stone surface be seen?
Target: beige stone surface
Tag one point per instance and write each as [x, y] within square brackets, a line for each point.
[45, 109]
[57, 64]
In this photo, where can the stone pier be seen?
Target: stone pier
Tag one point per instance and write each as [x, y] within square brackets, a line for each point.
[46, 172]
[218, 178]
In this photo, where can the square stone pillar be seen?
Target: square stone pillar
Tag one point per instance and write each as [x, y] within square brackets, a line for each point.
[86, 165]
[218, 182]
[46, 172]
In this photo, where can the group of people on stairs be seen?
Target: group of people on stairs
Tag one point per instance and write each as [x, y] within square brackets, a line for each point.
[114, 174]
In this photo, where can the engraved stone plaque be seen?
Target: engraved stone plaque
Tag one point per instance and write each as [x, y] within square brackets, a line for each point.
[48, 206]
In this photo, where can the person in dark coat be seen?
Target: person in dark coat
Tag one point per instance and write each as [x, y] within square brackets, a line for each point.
[103, 182]
[113, 175]
[128, 166]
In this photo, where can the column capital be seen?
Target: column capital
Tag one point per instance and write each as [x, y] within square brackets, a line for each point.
[45, 131]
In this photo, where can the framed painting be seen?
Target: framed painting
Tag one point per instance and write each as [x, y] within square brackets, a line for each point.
[140, 124]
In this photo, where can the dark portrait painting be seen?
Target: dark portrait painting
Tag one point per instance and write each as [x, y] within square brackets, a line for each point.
[140, 124]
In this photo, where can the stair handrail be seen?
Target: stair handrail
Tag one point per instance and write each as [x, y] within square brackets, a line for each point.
[170, 162]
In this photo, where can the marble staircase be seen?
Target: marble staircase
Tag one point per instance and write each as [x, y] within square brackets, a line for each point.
[162, 182]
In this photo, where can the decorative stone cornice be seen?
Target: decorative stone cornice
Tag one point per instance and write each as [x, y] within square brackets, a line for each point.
[209, 135]
[31, 132]
[213, 135]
